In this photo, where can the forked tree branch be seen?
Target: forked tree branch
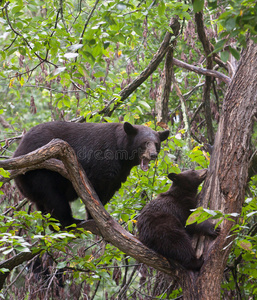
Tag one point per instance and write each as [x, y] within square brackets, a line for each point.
[106, 226]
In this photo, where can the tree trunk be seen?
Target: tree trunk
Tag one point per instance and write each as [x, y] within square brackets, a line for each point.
[224, 187]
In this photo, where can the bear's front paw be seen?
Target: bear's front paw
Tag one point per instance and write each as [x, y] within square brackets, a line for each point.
[215, 232]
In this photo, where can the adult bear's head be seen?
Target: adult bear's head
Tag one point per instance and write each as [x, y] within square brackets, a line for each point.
[144, 143]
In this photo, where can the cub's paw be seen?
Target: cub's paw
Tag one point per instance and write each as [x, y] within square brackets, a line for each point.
[215, 232]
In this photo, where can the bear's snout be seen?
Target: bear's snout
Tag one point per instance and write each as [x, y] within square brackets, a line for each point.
[153, 156]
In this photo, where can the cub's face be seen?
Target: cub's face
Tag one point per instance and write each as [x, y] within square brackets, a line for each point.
[188, 180]
[145, 142]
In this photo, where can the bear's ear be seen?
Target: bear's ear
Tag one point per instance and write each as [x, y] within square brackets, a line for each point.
[173, 176]
[129, 129]
[164, 135]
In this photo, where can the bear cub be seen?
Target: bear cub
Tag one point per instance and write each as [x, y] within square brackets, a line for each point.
[161, 223]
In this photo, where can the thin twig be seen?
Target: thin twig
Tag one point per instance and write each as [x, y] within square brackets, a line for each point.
[88, 19]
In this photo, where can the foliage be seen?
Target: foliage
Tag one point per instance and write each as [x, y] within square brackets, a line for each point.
[66, 60]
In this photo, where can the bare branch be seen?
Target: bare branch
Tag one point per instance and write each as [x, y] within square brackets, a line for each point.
[202, 71]
[88, 19]
[184, 110]
[208, 48]
[162, 99]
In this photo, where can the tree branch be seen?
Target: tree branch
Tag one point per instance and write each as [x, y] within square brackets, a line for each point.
[88, 19]
[202, 71]
[184, 110]
[162, 99]
[111, 230]
[207, 87]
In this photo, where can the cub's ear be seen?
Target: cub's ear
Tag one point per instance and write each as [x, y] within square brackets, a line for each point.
[129, 129]
[173, 176]
[164, 135]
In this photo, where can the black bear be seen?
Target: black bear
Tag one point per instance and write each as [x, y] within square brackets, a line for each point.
[161, 223]
[107, 152]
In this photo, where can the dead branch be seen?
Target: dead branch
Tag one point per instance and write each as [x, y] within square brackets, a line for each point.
[202, 71]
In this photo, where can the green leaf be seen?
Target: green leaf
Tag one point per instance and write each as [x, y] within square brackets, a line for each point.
[145, 105]
[235, 53]
[125, 217]
[201, 214]
[198, 5]
[4, 270]
[62, 264]
[224, 56]
[193, 217]
[245, 244]
[65, 79]
[219, 45]
[99, 74]
[161, 8]
[4, 173]
[16, 9]
[22, 248]
[230, 24]
[66, 101]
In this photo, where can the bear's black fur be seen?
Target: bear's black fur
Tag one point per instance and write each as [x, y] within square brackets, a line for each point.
[161, 223]
[107, 152]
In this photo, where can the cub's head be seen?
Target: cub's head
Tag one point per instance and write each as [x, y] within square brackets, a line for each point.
[188, 180]
[144, 142]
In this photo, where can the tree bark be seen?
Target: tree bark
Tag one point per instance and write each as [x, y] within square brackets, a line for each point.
[224, 187]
